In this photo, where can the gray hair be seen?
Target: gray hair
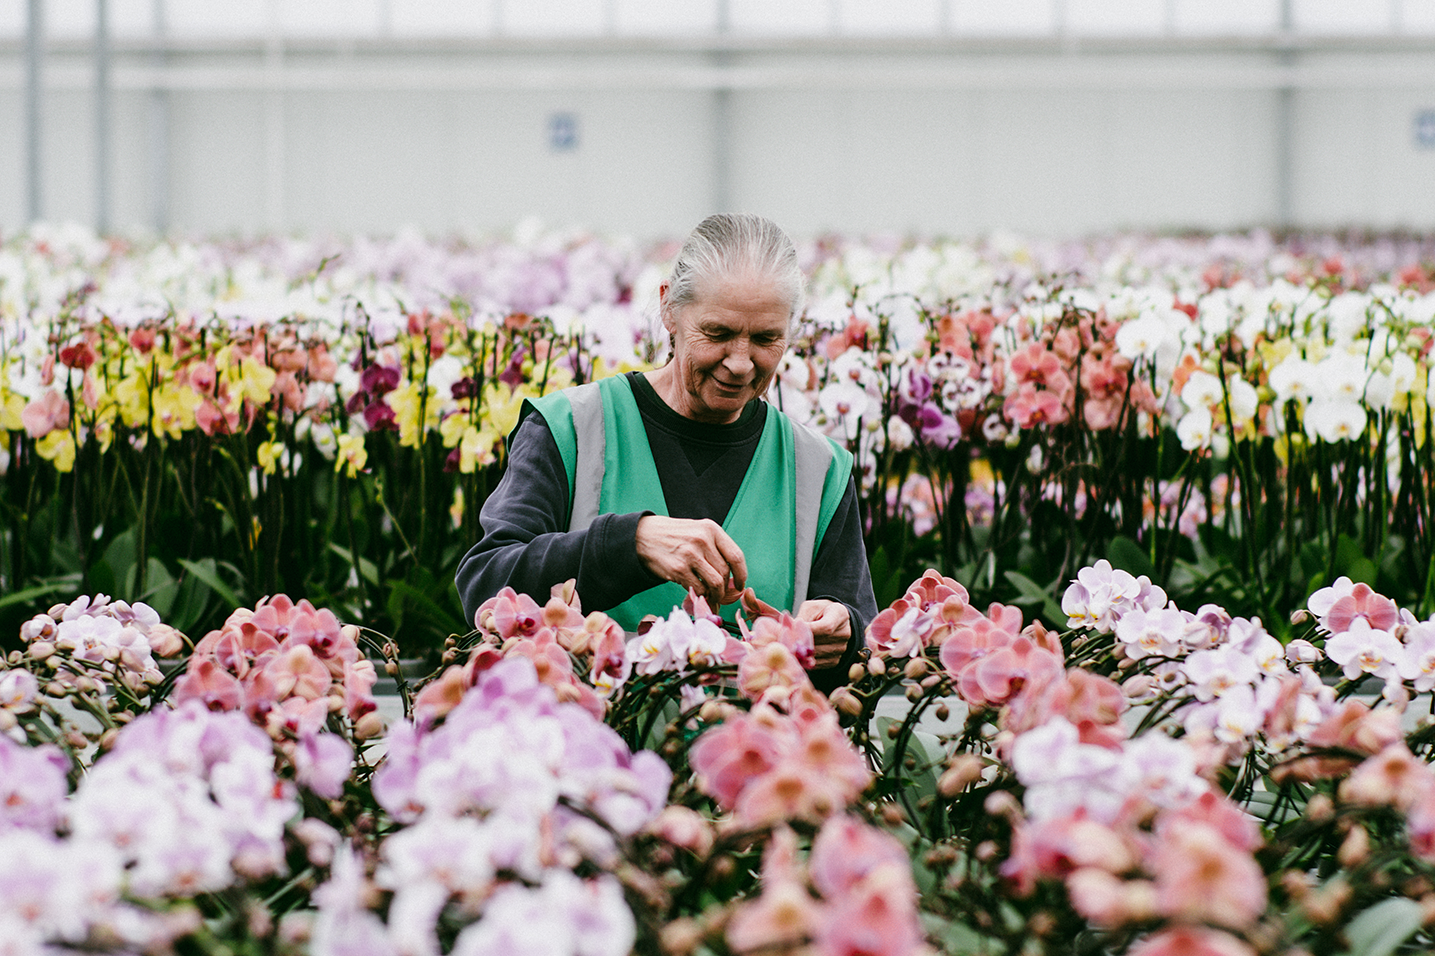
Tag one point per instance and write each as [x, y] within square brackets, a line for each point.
[731, 243]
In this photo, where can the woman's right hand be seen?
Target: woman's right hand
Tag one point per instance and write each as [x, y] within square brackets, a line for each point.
[695, 554]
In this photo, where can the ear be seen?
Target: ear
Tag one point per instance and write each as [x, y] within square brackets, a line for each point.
[664, 313]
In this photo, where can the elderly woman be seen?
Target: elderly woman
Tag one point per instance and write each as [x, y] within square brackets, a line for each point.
[644, 485]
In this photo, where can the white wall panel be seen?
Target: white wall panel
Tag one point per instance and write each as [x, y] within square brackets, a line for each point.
[443, 137]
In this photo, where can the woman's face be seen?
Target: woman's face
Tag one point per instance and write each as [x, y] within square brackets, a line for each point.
[727, 343]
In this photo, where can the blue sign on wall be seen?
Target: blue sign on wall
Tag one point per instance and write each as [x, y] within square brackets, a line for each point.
[1425, 129]
[563, 132]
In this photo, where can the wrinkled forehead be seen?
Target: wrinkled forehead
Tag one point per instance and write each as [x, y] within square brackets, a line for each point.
[741, 293]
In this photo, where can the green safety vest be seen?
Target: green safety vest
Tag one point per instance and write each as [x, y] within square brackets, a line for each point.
[786, 500]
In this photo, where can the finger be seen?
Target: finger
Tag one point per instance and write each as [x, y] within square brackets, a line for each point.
[706, 579]
[733, 555]
[811, 611]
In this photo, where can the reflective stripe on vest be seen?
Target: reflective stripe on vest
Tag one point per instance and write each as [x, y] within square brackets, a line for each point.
[782, 510]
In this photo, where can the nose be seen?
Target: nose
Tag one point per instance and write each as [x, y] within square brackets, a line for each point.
[738, 360]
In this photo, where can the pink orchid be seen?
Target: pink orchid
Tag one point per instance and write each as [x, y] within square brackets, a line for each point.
[1344, 602]
[767, 667]
[439, 697]
[784, 629]
[1028, 407]
[1191, 941]
[1394, 777]
[1052, 849]
[901, 630]
[509, 614]
[727, 757]
[847, 850]
[204, 680]
[45, 414]
[877, 917]
[993, 679]
[1202, 877]
[935, 588]
[298, 672]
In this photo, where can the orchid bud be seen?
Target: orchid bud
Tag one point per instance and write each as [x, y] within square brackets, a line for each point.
[846, 702]
[1323, 905]
[876, 667]
[915, 692]
[916, 668]
[1002, 804]
[856, 672]
[40, 650]
[681, 937]
[1299, 616]
[1137, 687]
[963, 770]
[368, 726]
[165, 641]
[1355, 848]
[1319, 808]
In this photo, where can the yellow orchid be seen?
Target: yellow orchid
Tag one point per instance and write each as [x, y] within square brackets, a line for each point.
[268, 454]
[11, 407]
[502, 405]
[455, 510]
[174, 408]
[451, 429]
[132, 396]
[58, 447]
[352, 455]
[407, 401]
[255, 380]
[476, 448]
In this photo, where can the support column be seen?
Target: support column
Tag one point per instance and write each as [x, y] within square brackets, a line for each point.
[159, 125]
[1285, 122]
[722, 115]
[274, 123]
[34, 75]
[102, 116]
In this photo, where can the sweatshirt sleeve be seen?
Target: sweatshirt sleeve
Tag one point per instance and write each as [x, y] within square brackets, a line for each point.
[526, 546]
[840, 573]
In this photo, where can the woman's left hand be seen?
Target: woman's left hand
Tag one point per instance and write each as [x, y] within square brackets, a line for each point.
[831, 629]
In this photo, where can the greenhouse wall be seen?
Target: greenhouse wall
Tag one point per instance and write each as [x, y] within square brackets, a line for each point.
[645, 136]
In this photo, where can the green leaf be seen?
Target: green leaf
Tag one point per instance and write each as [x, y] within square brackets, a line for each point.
[923, 747]
[207, 572]
[1260, 803]
[366, 567]
[1352, 562]
[1427, 603]
[1383, 927]
[1127, 555]
[29, 594]
[113, 573]
[958, 937]
[1033, 593]
[190, 602]
[162, 588]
